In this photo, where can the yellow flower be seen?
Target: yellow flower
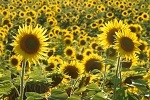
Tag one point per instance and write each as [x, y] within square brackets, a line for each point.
[72, 69]
[1, 47]
[147, 76]
[107, 37]
[15, 61]
[31, 43]
[1, 75]
[126, 44]
[69, 51]
[92, 62]
[129, 63]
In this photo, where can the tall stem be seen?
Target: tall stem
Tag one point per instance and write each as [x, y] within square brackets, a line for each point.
[22, 80]
[116, 77]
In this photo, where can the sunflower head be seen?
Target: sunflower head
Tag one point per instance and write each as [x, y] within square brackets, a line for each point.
[15, 61]
[31, 43]
[57, 79]
[126, 44]
[143, 46]
[69, 51]
[107, 37]
[111, 53]
[129, 63]
[52, 64]
[72, 69]
[93, 62]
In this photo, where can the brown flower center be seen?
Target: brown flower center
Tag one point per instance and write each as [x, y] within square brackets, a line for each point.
[110, 35]
[14, 61]
[50, 67]
[132, 28]
[69, 52]
[111, 52]
[30, 44]
[126, 64]
[71, 71]
[92, 64]
[126, 44]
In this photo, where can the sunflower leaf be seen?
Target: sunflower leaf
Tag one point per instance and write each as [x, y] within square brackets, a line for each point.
[93, 87]
[99, 96]
[74, 97]
[58, 94]
[34, 95]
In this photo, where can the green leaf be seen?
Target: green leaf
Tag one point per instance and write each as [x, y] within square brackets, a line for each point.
[132, 96]
[80, 90]
[36, 96]
[93, 87]
[121, 95]
[140, 84]
[74, 97]
[99, 96]
[58, 94]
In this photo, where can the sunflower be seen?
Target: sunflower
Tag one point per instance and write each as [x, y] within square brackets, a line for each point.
[111, 53]
[15, 61]
[31, 43]
[57, 79]
[72, 69]
[87, 51]
[1, 48]
[52, 64]
[5, 21]
[79, 57]
[107, 37]
[87, 79]
[125, 13]
[82, 42]
[22, 14]
[67, 41]
[127, 44]
[93, 62]
[51, 52]
[129, 63]
[109, 14]
[147, 76]
[93, 45]
[143, 46]
[145, 16]
[69, 51]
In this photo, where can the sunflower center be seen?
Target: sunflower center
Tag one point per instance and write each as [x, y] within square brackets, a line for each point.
[67, 41]
[132, 28]
[50, 67]
[142, 47]
[82, 42]
[79, 57]
[126, 44]
[110, 35]
[111, 52]
[56, 79]
[50, 53]
[14, 61]
[126, 64]
[69, 52]
[94, 45]
[71, 71]
[92, 64]
[30, 44]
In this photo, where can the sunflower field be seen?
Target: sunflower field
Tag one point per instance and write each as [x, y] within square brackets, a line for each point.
[74, 49]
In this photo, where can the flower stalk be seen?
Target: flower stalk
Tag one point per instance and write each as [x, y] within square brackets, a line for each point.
[116, 76]
[22, 84]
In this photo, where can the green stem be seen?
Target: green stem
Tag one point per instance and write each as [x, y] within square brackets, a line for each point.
[120, 69]
[22, 85]
[116, 78]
